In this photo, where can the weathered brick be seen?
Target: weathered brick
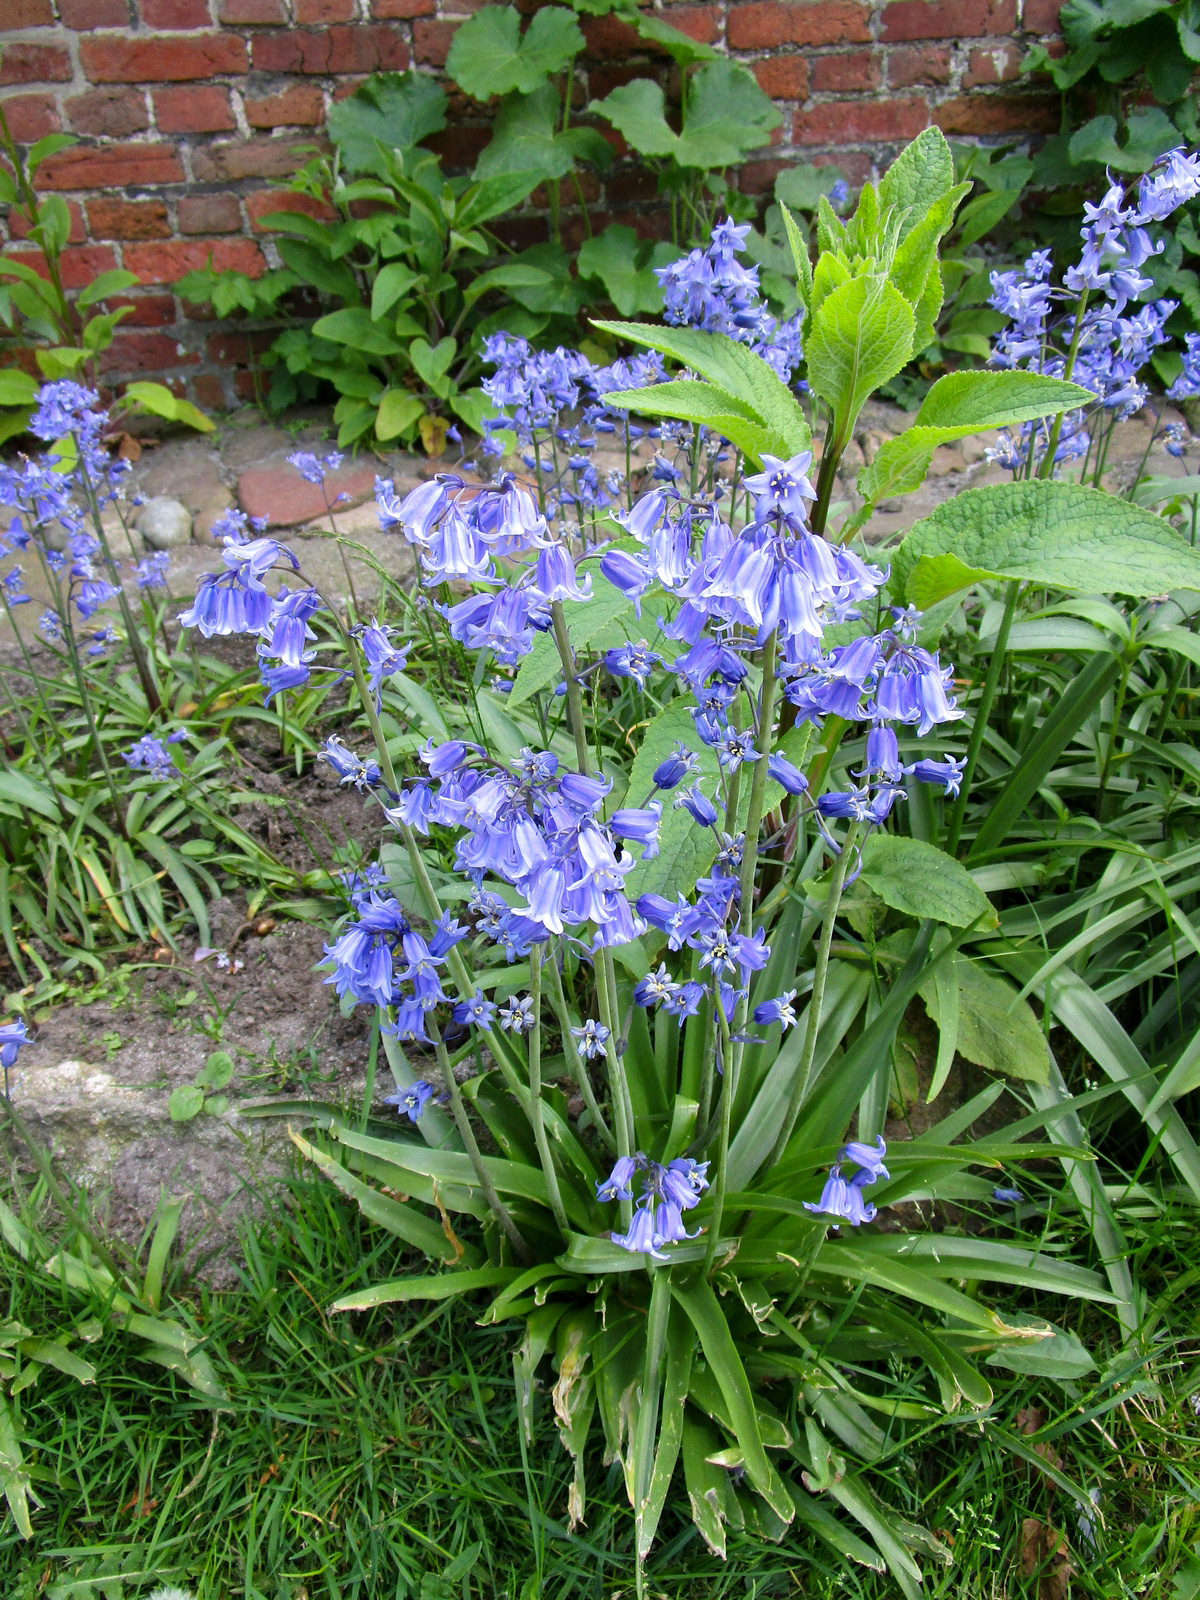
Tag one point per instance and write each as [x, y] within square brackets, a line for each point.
[28, 14]
[401, 9]
[998, 63]
[196, 109]
[26, 62]
[431, 40]
[860, 121]
[318, 12]
[928, 63]
[252, 13]
[210, 392]
[948, 19]
[998, 113]
[1041, 16]
[368, 48]
[764, 24]
[247, 158]
[145, 352]
[86, 15]
[266, 201]
[169, 261]
[299, 106]
[858, 69]
[175, 13]
[31, 116]
[209, 213]
[108, 113]
[110, 218]
[109, 58]
[462, 147]
[18, 227]
[782, 77]
[111, 166]
[234, 348]
[146, 310]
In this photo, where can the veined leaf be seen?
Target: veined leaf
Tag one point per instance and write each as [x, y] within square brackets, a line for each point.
[923, 881]
[862, 334]
[489, 55]
[586, 619]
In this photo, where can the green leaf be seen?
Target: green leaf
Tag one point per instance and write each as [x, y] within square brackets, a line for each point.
[995, 1029]
[1061, 1357]
[432, 363]
[862, 334]
[637, 111]
[1150, 134]
[355, 326]
[14, 1480]
[218, 1071]
[1060, 535]
[923, 881]
[17, 388]
[625, 266]
[586, 619]
[683, 50]
[706, 1483]
[185, 1103]
[702, 403]
[22, 793]
[802, 186]
[728, 116]
[733, 368]
[391, 284]
[107, 283]
[399, 410]
[920, 175]
[442, 1287]
[489, 56]
[492, 197]
[395, 109]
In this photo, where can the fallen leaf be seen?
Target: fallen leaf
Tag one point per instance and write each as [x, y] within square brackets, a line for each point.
[1045, 1552]
[129, 449]
[433, 434]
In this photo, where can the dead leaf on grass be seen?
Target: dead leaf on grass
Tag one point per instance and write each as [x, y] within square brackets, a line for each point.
[1045, 1552]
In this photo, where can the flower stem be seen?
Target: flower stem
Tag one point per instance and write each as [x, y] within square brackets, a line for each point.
[982, 713]
[574, 695]
[535, 1093]
[728, 1090]
[804, 1071]
[463, 1122]
[579, 1066]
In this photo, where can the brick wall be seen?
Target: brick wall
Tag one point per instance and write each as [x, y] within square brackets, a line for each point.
[191, 112]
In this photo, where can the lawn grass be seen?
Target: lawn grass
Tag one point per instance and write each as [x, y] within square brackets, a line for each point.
[378, 1457]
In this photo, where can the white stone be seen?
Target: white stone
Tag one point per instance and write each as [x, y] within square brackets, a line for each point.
[164, 523]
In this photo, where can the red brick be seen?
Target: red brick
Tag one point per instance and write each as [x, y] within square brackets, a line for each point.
[176, 13]
[252, 13]
[460, 147]
[1041, 16]
[266, 201]
[929, 63]
[400, 9]
[169, 261]
[78, 264]
[431, 40]
[146, 310]
[210, 392]
[86, 15]
[108, 58]
[209, 213]
[145, 352]
[281, 495]
[32, 116]
[321, 12]
[248, 386]
[998, 113]
[232, 347]
[338, 49]
[948, 19]
[998, 63]
[610, 36]
[842, 73]
[193, 110]
[108, 113]
[758, 177]
[702, 23]
[782, 77]
[18, 226]
[28, 14]
[128, 219]
[299, 106]
[247, 158]
[111, 166]
[24, 62]
[860, 121]
[766, 23]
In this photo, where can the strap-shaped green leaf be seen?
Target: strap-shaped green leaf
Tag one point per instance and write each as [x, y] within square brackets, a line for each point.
[444, 1286]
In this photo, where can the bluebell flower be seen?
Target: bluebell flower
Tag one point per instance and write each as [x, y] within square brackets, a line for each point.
[618, 1184]
[477, 1010]
[591, 1038]
[12, 1036]
[779, 1010]
[14, 588]
[947, 775]
[50, 624]
[151, 755]
[632, 661]
[1174, 180]
[867, 1156]
[410, 1021]
[669, 774]
[313, 468]
[236, 600]
[669, 1226]
[287, 632]
[102, 638]
[349, 767]
[677, 918]
[655, 987]
[277, 679]
[842, 1200]
[788, 776]
[151, 570]
[178, 736]
[65, 407]
[411, 1102]
[555, 578]
[839, 194]
[642, 1238]
[782, 487]
[382, 657]
[697, 804]
[362, 955]
[516, 1014]
[640, 824]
